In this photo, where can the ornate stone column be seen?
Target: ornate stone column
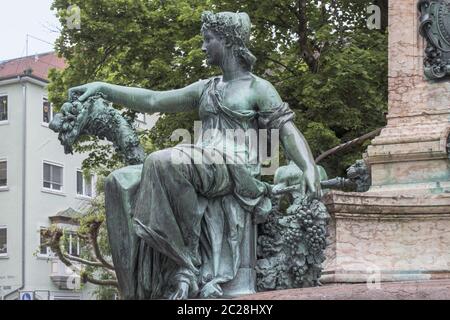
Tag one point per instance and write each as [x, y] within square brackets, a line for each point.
[400, 228]
[411, 152]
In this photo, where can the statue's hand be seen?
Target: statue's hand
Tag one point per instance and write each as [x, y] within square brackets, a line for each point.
[278, 188]
[86, 90]
[313, 187]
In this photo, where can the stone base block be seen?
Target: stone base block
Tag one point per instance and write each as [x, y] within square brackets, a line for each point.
[411, 290]
[381, 237]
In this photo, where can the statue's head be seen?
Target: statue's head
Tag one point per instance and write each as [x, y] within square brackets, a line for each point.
[227, 33]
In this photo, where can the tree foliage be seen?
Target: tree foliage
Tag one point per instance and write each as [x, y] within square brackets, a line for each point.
[320, 56]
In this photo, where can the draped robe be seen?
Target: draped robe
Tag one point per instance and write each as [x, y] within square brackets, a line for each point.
[181, 216]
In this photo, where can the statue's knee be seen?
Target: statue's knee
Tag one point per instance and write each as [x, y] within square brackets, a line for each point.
[110, 181]
[160, 159]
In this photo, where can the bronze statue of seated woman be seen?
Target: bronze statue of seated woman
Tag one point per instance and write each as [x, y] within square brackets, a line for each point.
[177, 225]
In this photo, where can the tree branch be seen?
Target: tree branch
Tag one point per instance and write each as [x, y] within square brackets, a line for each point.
[349, 144]
[277, 24]
[284, 79]
[88, 278]
[306, 48]
[55, 245]
[294, 72]
[108, 52]
[83, 261]
[95, 226]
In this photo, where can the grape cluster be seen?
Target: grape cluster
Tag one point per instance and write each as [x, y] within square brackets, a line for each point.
[292, 245]
[265, 247]
[298, 274]
[316, 238]
[315, 234]
[270, 227]
[293, 237]
[305, 217]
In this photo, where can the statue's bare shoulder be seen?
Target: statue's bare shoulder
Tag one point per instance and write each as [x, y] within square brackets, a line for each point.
[265, 95]
[195, 90]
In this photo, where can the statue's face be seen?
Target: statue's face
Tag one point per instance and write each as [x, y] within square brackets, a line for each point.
[214, 48]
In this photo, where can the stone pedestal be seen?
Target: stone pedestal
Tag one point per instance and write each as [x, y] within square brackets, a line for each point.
[400, 228]
[387, 237]
[411, 151]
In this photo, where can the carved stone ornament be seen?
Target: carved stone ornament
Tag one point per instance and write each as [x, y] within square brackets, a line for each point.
[435, 28]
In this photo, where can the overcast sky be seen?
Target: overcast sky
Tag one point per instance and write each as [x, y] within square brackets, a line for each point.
[21, 17]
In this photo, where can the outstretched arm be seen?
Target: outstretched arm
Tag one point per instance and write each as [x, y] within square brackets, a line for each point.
[294, 143]
[144, 100]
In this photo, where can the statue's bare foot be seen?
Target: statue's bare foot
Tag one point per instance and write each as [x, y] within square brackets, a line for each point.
[181, 292]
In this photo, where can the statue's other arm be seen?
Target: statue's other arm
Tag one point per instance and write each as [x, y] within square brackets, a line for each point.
[297, 149]
[294, 143]
[144, 100]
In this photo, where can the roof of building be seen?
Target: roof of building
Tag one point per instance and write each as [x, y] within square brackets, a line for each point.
[36, 66]
[69, 215]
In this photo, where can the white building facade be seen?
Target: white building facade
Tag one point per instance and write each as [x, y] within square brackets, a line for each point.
[37, 180]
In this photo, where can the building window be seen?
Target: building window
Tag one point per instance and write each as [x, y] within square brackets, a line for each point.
[85, 185]
[44, 248]
[47, 111]
[53, 177]
[3, 173]
[3, 108]
[72, 244]
[3, 241]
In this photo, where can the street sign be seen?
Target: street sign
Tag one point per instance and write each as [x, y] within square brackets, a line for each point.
[26, 295]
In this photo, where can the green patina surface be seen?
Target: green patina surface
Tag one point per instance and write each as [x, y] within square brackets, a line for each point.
[435, 28]
[177, 230]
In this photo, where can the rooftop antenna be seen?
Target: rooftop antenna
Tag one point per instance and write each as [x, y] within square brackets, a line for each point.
[35, 38]
[28, 36]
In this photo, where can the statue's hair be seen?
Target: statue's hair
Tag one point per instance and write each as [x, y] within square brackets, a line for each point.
[235, 27]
